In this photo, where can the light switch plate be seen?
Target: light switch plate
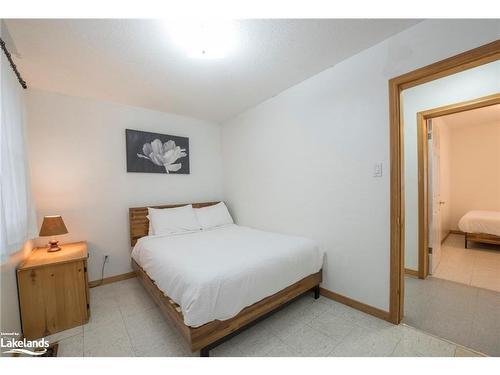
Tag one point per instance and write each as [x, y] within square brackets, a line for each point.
[377, 170]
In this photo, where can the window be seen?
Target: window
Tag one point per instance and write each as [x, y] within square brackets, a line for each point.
[17, 216]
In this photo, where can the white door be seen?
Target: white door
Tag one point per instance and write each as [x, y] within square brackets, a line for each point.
[435, 198]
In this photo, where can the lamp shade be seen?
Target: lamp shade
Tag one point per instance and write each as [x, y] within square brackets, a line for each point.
[53, 226]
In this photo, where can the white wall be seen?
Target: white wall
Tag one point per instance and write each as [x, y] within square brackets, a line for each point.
[302, 161]
[470, 84]
[79, 169]
[474, 169]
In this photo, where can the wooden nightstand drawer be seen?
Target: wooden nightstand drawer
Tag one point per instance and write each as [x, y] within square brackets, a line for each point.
[53, 290]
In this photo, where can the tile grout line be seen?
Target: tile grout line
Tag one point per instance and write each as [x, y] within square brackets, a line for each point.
[354, 325]
[113, 298]
[83, 341]
[132, 346]
[308, 325]
[284, 343]
[395, 346]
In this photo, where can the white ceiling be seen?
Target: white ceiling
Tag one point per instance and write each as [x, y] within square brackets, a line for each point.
[478, 116]
[134, 61]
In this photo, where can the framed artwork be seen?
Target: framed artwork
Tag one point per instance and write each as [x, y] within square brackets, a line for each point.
[156, 153]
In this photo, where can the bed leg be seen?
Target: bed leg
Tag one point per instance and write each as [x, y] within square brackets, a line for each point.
[466, 240]
[316, 292]
[204, 352]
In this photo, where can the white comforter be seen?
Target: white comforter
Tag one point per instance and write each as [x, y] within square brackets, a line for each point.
[214, 274]
[486, 222]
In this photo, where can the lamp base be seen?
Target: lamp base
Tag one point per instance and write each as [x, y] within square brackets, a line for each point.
[53, 246]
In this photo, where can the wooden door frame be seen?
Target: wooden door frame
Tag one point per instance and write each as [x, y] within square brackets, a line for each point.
[467, 60]
[423, 168]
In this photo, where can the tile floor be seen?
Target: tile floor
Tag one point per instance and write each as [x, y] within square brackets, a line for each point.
[463, 314]
[478, 265]
[126, 322]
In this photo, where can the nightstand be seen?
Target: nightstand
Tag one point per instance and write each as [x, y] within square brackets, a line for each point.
[53, 290]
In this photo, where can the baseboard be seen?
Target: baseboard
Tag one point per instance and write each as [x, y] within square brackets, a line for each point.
[112, 279]
[411, 272]
[445, 237]
[381, 314]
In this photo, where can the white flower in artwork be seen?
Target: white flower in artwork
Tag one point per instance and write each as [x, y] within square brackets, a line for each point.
[163, 154]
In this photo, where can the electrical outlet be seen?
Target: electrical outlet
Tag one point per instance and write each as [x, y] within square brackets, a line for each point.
[106, 258]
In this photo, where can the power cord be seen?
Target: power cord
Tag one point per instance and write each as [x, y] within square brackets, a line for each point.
[102, 272]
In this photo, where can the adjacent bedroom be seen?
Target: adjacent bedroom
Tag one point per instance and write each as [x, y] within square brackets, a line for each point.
[453, 253]
[249, 188]
[469, 196]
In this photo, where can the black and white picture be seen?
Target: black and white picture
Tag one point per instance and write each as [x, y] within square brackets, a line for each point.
[156, 153]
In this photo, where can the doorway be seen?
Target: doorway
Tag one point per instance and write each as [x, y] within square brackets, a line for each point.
[457, 297]
[451, 66]
[430, 204]
[467, 60]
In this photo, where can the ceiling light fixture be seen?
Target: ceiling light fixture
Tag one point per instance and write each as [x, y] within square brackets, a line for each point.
[208, 39]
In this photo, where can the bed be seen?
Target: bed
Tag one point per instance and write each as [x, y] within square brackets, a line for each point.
[481, 226]
[213, 284]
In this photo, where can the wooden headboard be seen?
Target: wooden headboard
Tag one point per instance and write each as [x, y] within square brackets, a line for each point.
[139, 223]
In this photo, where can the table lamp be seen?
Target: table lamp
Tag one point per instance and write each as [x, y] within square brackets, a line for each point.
[53, 226]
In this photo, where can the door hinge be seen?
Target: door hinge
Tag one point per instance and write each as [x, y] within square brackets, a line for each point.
[429, 249]
[85, 269]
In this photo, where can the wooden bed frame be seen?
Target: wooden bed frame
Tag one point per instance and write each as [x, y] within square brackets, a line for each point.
[482, 238]
[209, 335]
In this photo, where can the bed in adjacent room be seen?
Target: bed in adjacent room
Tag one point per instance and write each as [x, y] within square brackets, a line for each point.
[213, 278]
[481, 226]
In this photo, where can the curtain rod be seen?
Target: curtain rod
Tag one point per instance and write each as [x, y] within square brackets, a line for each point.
[14, 67]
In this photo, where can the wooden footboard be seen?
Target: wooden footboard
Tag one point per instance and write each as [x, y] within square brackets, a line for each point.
[204, 337]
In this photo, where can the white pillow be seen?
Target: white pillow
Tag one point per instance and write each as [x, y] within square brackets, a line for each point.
[173, 220]
[150, 229]
[214, 216]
